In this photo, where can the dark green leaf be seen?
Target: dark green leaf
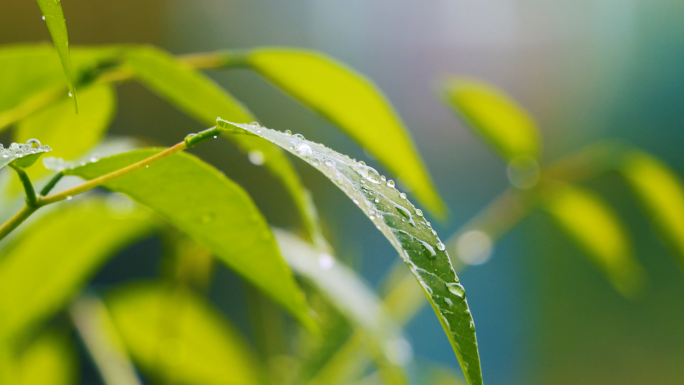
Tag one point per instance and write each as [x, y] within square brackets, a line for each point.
[406, 229]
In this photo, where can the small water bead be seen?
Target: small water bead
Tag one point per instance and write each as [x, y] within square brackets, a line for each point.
[215, 136]
[43, 18]
[288, 132]
[93, 159]
[448, 301]
[376, 200]
[329, 163]
[256, 157]
[456, 289]
[33, 143]
[440, 246]
[255, 124]
[362, 163]
[390, 183]
[69, 198]
[326, 262]
[356, 202]
[299, 136]
[383, 178]
[70, 95]
[419, 212]
[304, 150]
[402, 196]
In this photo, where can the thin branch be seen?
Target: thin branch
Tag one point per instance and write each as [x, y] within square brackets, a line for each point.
[16, 220]
[26, 182]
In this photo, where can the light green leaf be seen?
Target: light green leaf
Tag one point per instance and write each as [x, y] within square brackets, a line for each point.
[434, 374]
[53, 259]
[201, 98]
[202, 202]
[355, 299]
[495, 117]
[406, 229]
[54, 17]
[179, 337]
[70, 134]
[22, 154]
[662, 194]
[590, 222]
[50, 359]
[352, 102]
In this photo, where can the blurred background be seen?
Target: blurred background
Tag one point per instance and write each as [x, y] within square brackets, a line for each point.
[585, 69]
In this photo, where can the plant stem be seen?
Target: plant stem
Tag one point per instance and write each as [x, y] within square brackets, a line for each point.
[16, 220]
[51, 184]
[28, 186]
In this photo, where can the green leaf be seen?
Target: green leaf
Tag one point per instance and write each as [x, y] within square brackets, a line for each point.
[593, 225]
[53, 259]
[54, 17]
[662, 194]
[434, 374]
[70, 134]
[355, 299]
[50, 359]
[179, 337]
[202, 99]
[406, 229]
[495, 117]
[353, 103]
[202, 202]
[22, 154]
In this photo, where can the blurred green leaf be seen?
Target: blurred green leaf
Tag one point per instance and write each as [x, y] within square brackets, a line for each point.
[50, 359]
[405, 228]
[53, 258]
[662, 193]
[355, 299]
[590, 222]
[102, 340]
[54, 17]
[495, 117]
[201, 98]
[179, 337]
[71, 134]
[202, 202]
[356, 105]
[434, 374]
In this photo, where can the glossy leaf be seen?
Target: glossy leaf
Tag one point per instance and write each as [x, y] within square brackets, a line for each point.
[354, 299]
[201, 98]
[353, 103]
[34, 283]
[495, 117]
[662, 193]
[590, 222]
[50, 359]
[71, 134]
[203, 203]
[54, 18]
[179, 337]
[405, 228]
[22, 154]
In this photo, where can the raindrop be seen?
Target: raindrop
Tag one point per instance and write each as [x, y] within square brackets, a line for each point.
[255, 124]
[329, 163]
[325, 262]
[440, 246]
[93, 159]
[448, 301]
[362, 163]
[299, 136]
[256, 157]
[390, 183]
[382, 178]
[419, 212]
[215, 136]
[304, 150]
[33, 143]
[43, 17]
[70, 95]
[402, 196]
[428, 251]
[288, 132]
[69, 198]
[456, 289]
[377, 200]
[356, 202]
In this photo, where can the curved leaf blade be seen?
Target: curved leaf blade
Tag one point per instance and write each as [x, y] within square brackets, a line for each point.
[662, 194]
[179, 337]
[495, 117]
[54, 17]
[353, 103]
[51, 359]
[590, 222]
[355, 299]
[213, 210]
[202, 99]
[404, 227]
[36, 281]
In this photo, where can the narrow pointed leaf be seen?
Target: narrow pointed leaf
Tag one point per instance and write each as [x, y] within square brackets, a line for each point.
[590, 222]
[494, 117]
[54, 17]
[71, 134]
[354, 299]
[179, 337]
[202, 99]
[53, 259]
[661, 192]
[405, 228]
[202, 202]
[356, 105]
[50, 359]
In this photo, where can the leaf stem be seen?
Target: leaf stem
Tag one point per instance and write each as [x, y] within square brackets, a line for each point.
[28, 186]
[51, 184]
[16, 220]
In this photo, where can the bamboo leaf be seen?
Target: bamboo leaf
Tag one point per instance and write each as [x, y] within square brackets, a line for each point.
[202, 202]
[54, 17]
[353, 103]
[494, 117]
[53, 259]
[50, 359]
[355, 299]
[590, 222]
[662, 194]
[72, 135]
[178, 337]
[202, 99]
[405, 228]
